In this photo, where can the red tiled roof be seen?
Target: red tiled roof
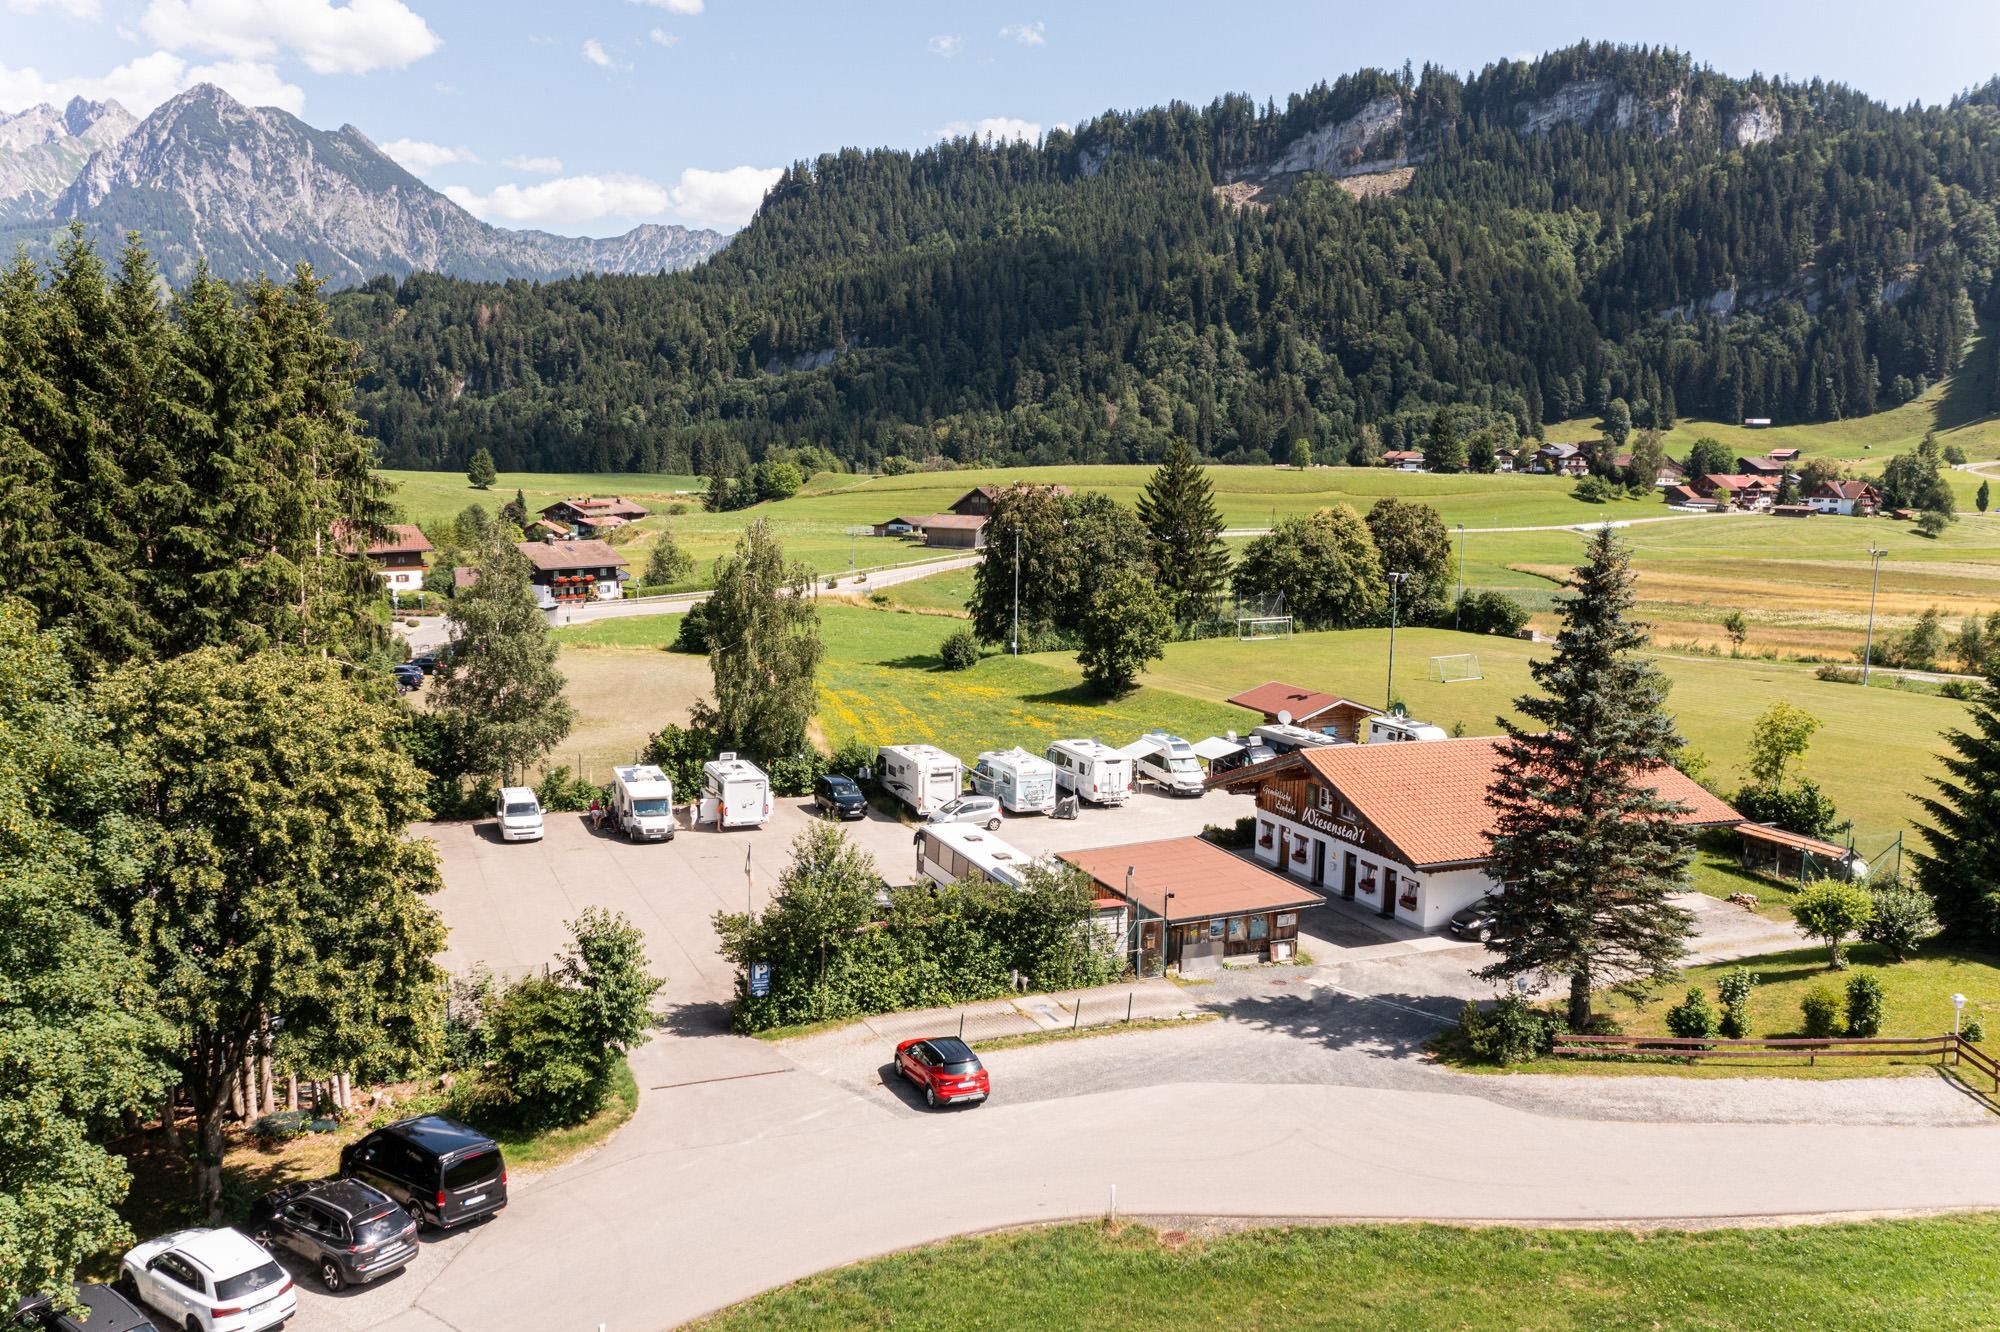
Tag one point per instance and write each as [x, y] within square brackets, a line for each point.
[402, 537]
[554, 556]
[1402, 455]
[1846, 490]
[1428, 797]
[1206, 880]
[1275, 697]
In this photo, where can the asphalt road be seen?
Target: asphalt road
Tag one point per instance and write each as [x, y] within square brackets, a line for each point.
[750, 1164]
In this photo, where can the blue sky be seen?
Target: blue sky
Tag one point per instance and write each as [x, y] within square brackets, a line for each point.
[589, 116]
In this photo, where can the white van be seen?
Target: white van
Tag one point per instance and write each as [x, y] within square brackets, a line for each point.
[520, 815]
[642, 803]
[1281, 738]
[1390, 730]
[923, 777]
[735, 793]
[1168, 761]
[1093, 770]
[1022, 783]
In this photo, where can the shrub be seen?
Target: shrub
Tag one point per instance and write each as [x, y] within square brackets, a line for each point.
[1237, 835]
[280, 1126]
[693, 635]
[1972, 1029]
[1511, 1033]
[1864, 1005]
[1482, 611]
[794, 774]
[1694, 1017]
[960, 650]
[1962, 690]
[1798, 805]
[1820, 1011]
[1901, 920]
[1734, 991]
[1831, 910]
[1594, 490]
[1838, 674]
[680, 752]
[853, 757]
[559, 792]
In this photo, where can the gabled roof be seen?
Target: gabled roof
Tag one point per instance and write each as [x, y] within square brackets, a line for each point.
[402, 538]
[1206, 880]
[1721, 482]
[1559, 450]
[555, 556]
[947, 522]
[1428, 798]
[1402, 455]
[1303, 704]
[1767, 466]
[1845, 490]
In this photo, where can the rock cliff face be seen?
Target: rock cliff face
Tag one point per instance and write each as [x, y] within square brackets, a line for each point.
[1753, 122]
[42, 150]
[1371, 140]
[256, 190]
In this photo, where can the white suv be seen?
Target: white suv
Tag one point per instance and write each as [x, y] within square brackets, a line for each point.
[210, 1281]
[520, 815]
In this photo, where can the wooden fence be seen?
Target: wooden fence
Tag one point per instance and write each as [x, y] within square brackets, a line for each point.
[1948, 1048]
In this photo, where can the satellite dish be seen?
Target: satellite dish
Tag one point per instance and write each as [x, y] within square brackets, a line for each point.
[1398, 710]
[1284, 717]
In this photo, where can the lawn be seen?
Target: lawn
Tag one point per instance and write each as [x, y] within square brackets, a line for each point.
[428, 497]
[1906, 1274]
[1875, 750]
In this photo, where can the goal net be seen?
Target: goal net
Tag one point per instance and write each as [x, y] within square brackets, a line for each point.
[1453, 668]
[1259, 627]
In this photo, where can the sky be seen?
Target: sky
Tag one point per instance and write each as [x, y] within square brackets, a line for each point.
[587, 117]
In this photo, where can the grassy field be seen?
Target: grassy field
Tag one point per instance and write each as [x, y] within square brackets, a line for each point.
[428, 497]
[1876, 748]
[1936, 1273]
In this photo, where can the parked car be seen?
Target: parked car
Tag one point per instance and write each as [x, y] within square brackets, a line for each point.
[520, 814]
[210, 1281]
[426, 662]
[969, 809]
[445, 1173]
[348, 1232]
[407, 677]
[1474, 921]
[945, 1067]
[839, 797]
[103, 1310]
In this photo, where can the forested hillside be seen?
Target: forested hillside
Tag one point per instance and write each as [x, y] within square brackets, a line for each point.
[1520, 246]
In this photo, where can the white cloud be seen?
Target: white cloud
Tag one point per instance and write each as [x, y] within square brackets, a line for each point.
[994, 127]
[594, 52]
[83, 9]
[541, 166]
[689, 7]
[1027, 34]
[420, 156]
[661, 37]
[350, 38]
[142, 84]
[724, 200]
[945, 44]
[564, 202]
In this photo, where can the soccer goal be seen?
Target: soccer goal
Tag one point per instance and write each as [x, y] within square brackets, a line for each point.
[1257, 628]
[1452, 668]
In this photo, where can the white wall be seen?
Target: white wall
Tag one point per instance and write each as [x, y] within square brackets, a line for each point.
[1438, 895]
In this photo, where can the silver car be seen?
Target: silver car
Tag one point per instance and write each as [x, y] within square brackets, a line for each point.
[969, 809]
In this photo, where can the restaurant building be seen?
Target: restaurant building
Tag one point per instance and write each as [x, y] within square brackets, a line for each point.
[1210, 904]
[1401, 829]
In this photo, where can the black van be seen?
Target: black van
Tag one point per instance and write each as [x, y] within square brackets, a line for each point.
[445, 1173]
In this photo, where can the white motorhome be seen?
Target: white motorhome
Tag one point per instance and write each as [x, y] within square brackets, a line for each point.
[735, 793]
[1022, 783]
[1167, 761]
[948, 852]
[520, 815]
[642, 803]
[1283, 738]
[1393, 730]
[923, 777]
[1093, 770]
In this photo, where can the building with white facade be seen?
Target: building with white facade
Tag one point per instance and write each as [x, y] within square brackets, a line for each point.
[1401, 829]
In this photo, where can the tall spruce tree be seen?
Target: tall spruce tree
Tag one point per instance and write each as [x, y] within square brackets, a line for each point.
[479, 472]
[764, 649]
[1178, 510]
[1961, 871]
[1587, 848]
[502, 700]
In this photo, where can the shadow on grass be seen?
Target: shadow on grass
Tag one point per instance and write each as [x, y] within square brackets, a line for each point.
[1075, 696]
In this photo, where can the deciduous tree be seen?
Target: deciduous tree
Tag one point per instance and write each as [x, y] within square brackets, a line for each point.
[764, 649]
[1127, 628]
[666, 562]
[502, 695]
[1411, 538]
[1325, 566]
[1779, 739]
[1588, 849]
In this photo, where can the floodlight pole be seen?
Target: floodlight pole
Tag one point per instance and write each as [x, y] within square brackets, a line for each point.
[1396, 581]
[1017, 591]
[1458, 607]
[1874, 582]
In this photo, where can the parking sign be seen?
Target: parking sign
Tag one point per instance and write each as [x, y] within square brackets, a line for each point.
[760, 979]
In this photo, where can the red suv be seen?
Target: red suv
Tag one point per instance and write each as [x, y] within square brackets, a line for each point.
[945, 1067]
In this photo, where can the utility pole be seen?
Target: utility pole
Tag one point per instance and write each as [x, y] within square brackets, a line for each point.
[1458, 607]
[1396, 581]
[1868, 651]
[1017, 591]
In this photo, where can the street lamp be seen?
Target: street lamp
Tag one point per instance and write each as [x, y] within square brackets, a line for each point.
[1396, 581]
[1874, 582]
[1957, 1011]
[1458, 607]
[1166, 924]
[1017, 591]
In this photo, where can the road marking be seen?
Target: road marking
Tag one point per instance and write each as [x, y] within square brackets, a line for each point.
[729, 1077]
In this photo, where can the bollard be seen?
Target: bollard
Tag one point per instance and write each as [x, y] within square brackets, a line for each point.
[1077, 1016]
[961, 1024]
[1128, 1005]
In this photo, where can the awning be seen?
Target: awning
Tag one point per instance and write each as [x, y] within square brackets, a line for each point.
[1215, 747]
[1136, 748]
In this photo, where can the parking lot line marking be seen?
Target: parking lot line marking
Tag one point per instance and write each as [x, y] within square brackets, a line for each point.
[731, 1077]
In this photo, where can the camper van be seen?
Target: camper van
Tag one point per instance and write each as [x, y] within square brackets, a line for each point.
[520, 815]
[642, 803]
[1022, 783]
[948, 852]
[923, 777]
[1093, 770]
[1168, 761]
[1282, 738]
[735, 793]
[1391, 730]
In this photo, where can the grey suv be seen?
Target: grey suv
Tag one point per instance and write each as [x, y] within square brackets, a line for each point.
[348, 1232]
